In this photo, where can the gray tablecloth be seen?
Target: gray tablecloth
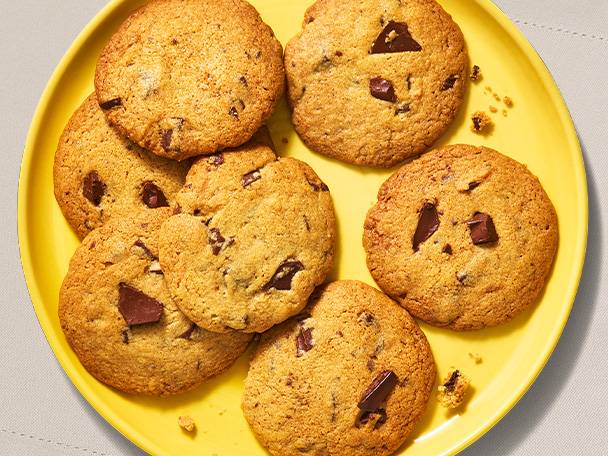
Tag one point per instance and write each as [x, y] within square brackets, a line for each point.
[565, 412]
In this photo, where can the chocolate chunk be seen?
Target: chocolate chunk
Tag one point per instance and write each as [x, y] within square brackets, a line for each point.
[251, 177]
[451, 383]
[234, 113]
[428, 223]
[93, 188]
[364, 417]
[152, 196]
[395, 37]
[114, 102]
[402, 108]
[136, 307]
[165, 138]
[188, 332]
[217, 159]
[125, 336]
[322, 187]
[339, 54]
[378, 391]
[447, 249]
[382, 89]
[216, 240]
[139, 243]
[449, 83]
[281, 280]
[473, 185]
[304, 341]
[482, 229]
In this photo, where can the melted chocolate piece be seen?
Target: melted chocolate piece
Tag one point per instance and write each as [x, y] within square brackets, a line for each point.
[136, 307]
[114, 102]
[447, 249]
[303, 341]
[482, 229]
[217, 159]
[449, 83]
[395, 38]
[428, 223]
[153, 196]
[188, 332]
[451, 383]
[139, 243]
[216, 240]
[281, 280]
[93, 188]
[378, 391]
[322, 187]
[251, 177]
[382, 89]
[165, 138]
[234, 113]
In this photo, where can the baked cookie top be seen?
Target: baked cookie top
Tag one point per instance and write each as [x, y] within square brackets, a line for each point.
[190, 77]
[121, 322]
[373, 83]
[350, 376]
[98, 174]
[255, 237]
[463, 237]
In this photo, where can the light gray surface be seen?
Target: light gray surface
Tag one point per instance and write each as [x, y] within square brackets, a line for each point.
[565, 412]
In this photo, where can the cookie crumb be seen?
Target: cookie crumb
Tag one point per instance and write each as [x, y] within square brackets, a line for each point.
[488, 89]
[186, 423]
[451, 393]
[497, 97]
[505, 113]
[481, 122]
[476, 73]
[493, 109]
[507, 101]
[476, 357]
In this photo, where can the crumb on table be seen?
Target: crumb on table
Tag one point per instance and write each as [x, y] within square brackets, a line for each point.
[493, 109]
[476, 357]
[476, 73]
[452, 391]
[507, 101]
[504, 112]
[481, 122]
[186, 423]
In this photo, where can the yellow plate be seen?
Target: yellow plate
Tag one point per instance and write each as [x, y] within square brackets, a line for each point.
[538, 131]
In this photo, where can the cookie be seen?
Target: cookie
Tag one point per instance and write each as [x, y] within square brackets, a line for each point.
[190, 77]
[121, 322]
[463, 237]
[373, 83]
[255, 237]
[98, 174]
[350, 376]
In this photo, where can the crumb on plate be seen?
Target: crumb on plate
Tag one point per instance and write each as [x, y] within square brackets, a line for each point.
[481, 122]
[452, 391]
[186, 423]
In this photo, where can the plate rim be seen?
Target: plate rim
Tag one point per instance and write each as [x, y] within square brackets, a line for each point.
[141, 440]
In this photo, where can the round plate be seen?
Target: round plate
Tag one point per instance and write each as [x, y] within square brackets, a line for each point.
[537, 131]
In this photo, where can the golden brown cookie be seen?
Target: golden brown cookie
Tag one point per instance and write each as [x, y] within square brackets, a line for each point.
[190, 77]
[98, 174]
[255, 237]
[351, 376]
[373, 83]
[121, 322]
[463, 237]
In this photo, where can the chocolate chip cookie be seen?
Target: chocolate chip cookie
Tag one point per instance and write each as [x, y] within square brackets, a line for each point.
[463, 237]
[121, 322]
[255, 237]
[190, 77]
[98, 174]
[373, 83]
[349, 376]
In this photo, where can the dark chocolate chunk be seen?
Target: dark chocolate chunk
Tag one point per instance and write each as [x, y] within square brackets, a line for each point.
[152, 196]
[216, 240]
[303, 341]
[322, 187]
[382, 89]
[234, 113]
[476, 123]
[447, 249]
[473, 185]
[125, 336]
[451, 383]
[165, 138]
[339, 54]
[378, 391]
[251, 177]
[188, 332]
[449, 83]
[428, 223]
[93, 188]
[114, 102]
[136, 307]
[482, 229]
[281, 280]
[139, 243]
[395, 37]
[217, 159]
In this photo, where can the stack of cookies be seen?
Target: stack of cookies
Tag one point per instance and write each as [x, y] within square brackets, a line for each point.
[196, 236]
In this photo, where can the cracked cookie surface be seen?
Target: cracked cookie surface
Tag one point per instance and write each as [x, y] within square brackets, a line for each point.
[255, 237]
[98, 174]
[121, 322]
[373, 83]
[190, 77]
[462, 237]
[350, 376]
